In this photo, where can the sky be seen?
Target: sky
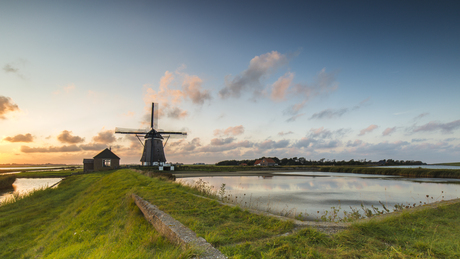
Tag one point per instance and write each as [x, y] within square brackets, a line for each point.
[245, 79]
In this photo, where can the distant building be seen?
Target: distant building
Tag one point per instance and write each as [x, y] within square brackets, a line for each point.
[199, 163]
[265, 162]
[103, 161]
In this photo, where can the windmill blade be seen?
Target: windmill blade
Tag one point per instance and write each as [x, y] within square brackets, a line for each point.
[131, 131]
[174, 135]
[154, 115]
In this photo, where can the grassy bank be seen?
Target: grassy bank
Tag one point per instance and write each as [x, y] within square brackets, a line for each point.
[93, 216]
[87, 216]
[428, 233]
[6, 181]
[406, 172]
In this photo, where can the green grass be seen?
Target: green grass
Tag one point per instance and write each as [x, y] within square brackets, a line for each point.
[87, 216]
[406, 172]
[429, 233]
[6, 181]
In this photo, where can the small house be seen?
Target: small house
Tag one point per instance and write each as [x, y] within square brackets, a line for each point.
[265, 162]
[102, 161]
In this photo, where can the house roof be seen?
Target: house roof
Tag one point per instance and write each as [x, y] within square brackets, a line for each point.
[106, 153]
[269, 160]
[88, 161]
[257, 161]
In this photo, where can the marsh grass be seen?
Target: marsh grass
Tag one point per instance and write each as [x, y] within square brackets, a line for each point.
[6, 181]
[406, 172]
[428, 233]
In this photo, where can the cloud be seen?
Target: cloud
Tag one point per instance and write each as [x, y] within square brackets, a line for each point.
[388, 131]
[282, 133]
[337, 113]
[169, 99]
[13, 68]
[230, 131]
[93, 146]
[324, 83]
[192, 145]
[6, 105]
[10, 69]
[51, 149]
[105, 137]
[220, 141]
[355, 143]
[66, 137]
[65, 89]
[280, 87]
[421, 116]
[368, 129]
[259, 68]
[419, 139]
[226, 147]
[326, 134]
[329, 114]
[193, 90]
[270, 144]
[443, 127]
[295, 117]
[20, 138]
[176, 113]
[321, 133]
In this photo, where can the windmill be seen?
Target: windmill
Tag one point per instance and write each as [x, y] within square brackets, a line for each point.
[153, 153]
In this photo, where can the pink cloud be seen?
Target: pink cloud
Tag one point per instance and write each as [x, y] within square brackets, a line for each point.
[388, 131]
[233, 131]
[280, 87]
[368, 129]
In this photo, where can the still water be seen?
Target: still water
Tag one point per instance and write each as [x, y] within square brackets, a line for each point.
[26, 185]
[312, 193]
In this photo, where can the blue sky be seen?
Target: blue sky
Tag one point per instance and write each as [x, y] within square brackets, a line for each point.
[315, 79]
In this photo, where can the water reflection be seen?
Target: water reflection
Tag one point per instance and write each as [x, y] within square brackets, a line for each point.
[312, 194]
[25, 185]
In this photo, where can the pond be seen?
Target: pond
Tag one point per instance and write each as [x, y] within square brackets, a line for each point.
[314, 193]
[26, 185]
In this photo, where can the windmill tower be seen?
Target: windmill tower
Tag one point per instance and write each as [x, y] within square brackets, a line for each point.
[153, 140]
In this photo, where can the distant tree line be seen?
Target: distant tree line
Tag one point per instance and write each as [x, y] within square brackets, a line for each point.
[322, 161]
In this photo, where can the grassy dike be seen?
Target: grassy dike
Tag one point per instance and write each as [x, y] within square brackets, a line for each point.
[93, 216]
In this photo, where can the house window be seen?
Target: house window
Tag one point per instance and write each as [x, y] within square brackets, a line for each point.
[106, 162]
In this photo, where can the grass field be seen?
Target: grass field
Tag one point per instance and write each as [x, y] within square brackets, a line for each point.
[93, 216]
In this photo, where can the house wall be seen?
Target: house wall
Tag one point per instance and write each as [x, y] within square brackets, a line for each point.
[99, 164]
[88, 167]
